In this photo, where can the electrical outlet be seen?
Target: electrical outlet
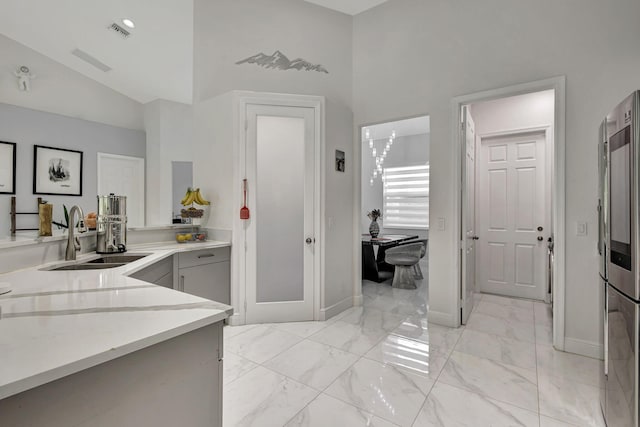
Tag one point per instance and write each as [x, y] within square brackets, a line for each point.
[441, 224]
[581, 229]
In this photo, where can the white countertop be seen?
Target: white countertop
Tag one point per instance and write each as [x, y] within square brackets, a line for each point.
[56, 323]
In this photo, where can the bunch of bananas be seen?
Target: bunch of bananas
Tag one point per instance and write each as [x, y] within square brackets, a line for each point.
[193, 196]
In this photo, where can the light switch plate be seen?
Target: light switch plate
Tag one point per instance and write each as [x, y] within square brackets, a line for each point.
[581, 229]
[441, 224]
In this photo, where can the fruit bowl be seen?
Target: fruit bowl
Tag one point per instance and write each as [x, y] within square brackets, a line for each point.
[194, 237]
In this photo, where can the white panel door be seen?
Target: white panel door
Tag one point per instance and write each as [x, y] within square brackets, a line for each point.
[469, 216]
[279, 235]
[123, 176]
[513, 216]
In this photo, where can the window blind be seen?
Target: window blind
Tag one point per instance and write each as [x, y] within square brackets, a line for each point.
[406, 197]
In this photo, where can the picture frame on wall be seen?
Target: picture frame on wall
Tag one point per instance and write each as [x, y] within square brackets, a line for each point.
[8, 167]
[340, 161]
[57, 171]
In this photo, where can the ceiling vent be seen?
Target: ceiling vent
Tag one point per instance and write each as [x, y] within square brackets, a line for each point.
[120, 30]
[91, 60]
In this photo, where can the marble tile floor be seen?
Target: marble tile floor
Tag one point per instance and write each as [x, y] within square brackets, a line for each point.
[382, 365]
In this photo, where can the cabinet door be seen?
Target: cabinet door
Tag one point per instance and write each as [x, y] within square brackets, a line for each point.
[210, 281]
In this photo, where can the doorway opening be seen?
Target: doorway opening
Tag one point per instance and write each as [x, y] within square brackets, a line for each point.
[394, 205]
[512, 196]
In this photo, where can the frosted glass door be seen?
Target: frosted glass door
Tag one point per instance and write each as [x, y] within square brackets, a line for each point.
[280, 208]
[279, 237]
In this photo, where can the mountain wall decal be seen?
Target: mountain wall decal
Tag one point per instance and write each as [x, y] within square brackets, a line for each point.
[279, 61]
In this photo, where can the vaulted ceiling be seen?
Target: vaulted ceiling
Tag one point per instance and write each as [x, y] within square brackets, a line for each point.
[350, 7]
[155, 61]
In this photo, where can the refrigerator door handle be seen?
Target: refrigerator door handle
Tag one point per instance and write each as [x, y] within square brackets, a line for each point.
[606, 332]
[600, 227]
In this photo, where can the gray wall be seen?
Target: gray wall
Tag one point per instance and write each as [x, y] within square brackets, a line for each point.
[181, 179]
[440, 49]
[169, 127]
[412, 150]
[227, 31]
[29, 127]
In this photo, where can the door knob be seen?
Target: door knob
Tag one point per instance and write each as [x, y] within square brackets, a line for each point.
[475, 238]
[540, 238]
[540, 228]
[309, 240]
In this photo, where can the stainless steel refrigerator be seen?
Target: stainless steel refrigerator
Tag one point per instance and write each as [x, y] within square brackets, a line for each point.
[619, 247]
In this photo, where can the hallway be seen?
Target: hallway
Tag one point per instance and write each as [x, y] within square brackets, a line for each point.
[380, 365]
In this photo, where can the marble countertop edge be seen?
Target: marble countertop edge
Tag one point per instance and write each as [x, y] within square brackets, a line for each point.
[27, 383]
[33, 375]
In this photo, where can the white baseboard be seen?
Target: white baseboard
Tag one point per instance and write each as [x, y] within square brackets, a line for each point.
[442, 319]
[358, 300]
[337, 308]
[236, 320]
[583, 348]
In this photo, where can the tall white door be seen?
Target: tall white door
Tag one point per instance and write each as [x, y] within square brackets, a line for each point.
[280, 239]
[514, 215]
[469, 216]
[123, 176]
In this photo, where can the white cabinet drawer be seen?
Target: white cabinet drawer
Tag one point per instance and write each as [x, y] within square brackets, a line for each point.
[201, 257]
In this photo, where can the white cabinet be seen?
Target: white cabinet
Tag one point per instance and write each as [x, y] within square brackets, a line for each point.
[205, 273]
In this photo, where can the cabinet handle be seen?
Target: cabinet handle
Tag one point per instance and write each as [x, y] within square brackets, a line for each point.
[182, 283]
[206, 256]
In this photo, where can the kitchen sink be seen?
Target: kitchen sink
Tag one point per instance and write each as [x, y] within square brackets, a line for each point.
[103, 262]
[111, 259]
[86, 266]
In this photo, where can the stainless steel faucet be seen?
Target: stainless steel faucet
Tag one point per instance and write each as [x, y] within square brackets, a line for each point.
[73, 243]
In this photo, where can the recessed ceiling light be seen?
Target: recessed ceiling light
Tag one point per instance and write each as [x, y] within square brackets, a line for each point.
[129, 23]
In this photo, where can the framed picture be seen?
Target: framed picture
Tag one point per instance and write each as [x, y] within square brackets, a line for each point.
[340, 161]
[57, 171]
[7, 167]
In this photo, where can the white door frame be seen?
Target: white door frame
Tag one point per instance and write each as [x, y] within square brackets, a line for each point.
[141, 189]
[238, 250]
[557, 84]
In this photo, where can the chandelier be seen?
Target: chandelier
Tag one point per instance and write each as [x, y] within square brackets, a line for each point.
[379, 153]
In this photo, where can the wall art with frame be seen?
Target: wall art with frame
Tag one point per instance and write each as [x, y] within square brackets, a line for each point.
[57, 171]
[8, 167]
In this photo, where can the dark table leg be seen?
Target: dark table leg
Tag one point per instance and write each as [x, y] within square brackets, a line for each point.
[369, 265]
[382, 265]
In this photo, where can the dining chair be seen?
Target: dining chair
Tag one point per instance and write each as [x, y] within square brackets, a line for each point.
[404, 258]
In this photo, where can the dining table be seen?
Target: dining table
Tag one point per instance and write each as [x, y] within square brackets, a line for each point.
[374, 266]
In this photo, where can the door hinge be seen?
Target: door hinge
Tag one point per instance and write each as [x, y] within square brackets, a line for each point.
[246, 124]
[245, 306]
[461, 244]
